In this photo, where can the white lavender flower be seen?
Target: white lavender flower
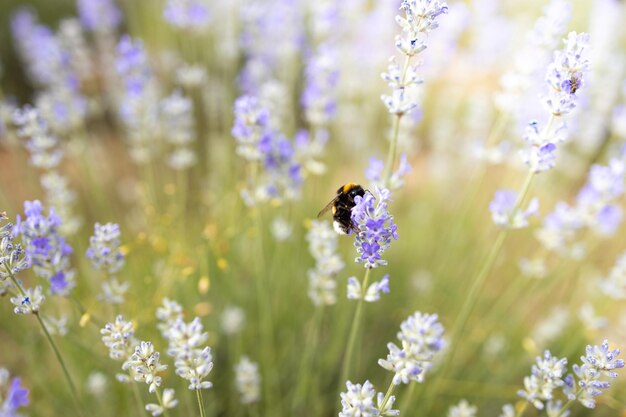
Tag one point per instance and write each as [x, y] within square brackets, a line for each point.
[422, 338]
[322, 278]
[232, 320]
[114, 291]
[104, 248]
[12, 256]
[168, 314]
[462, 409]
[248, 380]
[420, 17]
[358, 401]
[564, 79]
[168, 401]
[546, 376]
[97, 383]
[531, 59]
[178, 127]
[44, 148]
[372, 293]
[599, 363]
[146, 365]
[281, 229]
[119, 337]
[29, 302]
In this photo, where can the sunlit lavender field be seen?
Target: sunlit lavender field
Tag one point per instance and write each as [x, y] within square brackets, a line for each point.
[163, 164]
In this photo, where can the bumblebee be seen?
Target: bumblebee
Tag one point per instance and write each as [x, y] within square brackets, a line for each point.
[341, 207]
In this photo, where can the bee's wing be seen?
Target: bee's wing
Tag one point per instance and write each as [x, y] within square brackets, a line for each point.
[328, 206]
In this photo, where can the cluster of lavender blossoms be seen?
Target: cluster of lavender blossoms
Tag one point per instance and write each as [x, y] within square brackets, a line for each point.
[596, 209]
[564, 79]
[248, 380]
[191, 15]
[46, 154]
[146, 366]
[421, 336]
[50, 66]
[505, 213]
[105, 255]
[178, 126]
[420, 18]
[519, 88]
[12, 255]
[101, 16]
[321, 77]
[375, 227]
[269, 151]
[358, 400]
[322, 278]
[13, 395]
[139, 99]
[47, 250]
[192, 360]
[374, 173]
[140, 362]
[549, 374]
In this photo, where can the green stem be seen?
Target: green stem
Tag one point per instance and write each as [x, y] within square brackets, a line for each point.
[347, 362]
[57, 353]
[62, 363]
[393, 148]
[138, 402]
[392, 386]
[200, 403]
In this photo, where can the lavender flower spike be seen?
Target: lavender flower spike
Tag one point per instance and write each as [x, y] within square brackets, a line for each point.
[422, 338]
[12, 395]
[375, 225]
[358, 400]
[504, 212]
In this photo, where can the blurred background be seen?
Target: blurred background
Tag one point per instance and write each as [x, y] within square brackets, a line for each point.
[139, 100]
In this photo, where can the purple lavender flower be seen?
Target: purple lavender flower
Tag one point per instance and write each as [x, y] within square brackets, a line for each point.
[251, 126]
[139, 107]
[258, 141]
[358, 400]
[565, 74]
[374, 173]
[505, 213]
[46, 248]
[564, 77]
[99, 15]
[321, 78]
[187, 14]
[12, 395]
[375, 227]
